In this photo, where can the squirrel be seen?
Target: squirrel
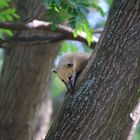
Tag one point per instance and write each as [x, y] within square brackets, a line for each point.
[70, 66]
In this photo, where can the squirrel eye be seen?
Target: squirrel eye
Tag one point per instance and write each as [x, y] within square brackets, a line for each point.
[62, 80]
[69, 64]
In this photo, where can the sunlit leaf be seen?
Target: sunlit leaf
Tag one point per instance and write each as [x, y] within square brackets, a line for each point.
[98, 8]
[73, 12]
[68, 47]
[6, 14]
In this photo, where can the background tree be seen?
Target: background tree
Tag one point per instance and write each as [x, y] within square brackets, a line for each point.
[25, 77]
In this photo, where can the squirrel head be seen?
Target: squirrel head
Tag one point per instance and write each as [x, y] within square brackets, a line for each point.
[66, 73]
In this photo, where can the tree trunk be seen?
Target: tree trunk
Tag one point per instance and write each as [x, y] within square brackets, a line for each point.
[100, 106]
[24, 80]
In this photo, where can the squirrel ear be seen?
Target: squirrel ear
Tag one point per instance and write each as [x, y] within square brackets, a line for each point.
[54, 70]
[69, 64]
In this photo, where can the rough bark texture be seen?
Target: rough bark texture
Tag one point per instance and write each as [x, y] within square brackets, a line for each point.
[100, 107]
[24, 80]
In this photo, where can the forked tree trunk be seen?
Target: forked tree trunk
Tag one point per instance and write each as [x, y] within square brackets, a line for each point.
[24, 81]
[100, 107]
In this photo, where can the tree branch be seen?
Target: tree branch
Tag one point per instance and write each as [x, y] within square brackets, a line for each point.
[65, 33]
[40, 25]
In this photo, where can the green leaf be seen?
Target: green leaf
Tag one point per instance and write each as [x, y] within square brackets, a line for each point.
[68, 47]
[8, 32]
[6, 14]
[75, 33]
[74, 13]
[98, 8]
[57, 2]
[3, 3]
[5, 32]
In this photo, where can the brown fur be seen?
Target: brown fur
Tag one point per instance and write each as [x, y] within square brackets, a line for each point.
[69, 66]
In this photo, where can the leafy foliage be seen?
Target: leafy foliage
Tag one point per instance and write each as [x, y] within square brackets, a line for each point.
[6, 14]
[68, 47]
[72, 11]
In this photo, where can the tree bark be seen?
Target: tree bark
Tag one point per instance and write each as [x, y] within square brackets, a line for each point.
[24, 80]
[100, 106]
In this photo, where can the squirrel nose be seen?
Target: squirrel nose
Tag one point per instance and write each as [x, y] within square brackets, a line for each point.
[71, 81]
[70, 77]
